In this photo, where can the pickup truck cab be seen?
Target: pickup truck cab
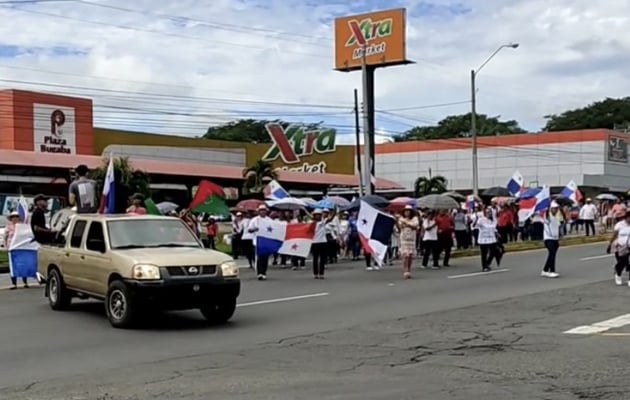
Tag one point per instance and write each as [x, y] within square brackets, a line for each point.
[135, 264]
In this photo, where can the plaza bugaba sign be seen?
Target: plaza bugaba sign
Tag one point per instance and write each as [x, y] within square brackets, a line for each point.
[296, 142]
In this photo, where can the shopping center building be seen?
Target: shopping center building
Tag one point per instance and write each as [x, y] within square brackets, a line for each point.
[44, 136]
[592, 158]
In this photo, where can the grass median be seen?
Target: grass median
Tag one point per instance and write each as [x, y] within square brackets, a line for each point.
[510, 247]
[534, 245]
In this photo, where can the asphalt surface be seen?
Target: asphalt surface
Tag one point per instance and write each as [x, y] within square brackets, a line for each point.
[355, 335]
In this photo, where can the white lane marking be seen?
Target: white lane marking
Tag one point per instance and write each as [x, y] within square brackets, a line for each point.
[496, 271]
[596, 257]
[282, 299]
[600, 327]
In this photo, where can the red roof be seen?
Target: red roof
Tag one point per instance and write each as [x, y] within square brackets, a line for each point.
[524, 139]
[32, 159]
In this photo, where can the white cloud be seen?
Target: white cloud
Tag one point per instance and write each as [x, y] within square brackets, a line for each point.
[183, 73]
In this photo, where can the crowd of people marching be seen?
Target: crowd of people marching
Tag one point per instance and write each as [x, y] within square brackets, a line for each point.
[429, 235]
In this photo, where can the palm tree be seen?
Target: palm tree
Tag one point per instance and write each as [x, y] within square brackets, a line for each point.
[256, 175]
[425, 185]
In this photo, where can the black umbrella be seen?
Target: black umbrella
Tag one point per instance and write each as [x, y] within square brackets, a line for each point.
[563, 201]
[496, 191]
[455, 195]
[372, 199]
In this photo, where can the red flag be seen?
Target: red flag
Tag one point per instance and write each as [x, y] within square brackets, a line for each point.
[210, 198]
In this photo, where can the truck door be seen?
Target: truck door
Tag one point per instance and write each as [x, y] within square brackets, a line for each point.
[96, 265]
[71, 258]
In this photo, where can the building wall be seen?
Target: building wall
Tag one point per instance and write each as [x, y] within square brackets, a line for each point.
[45, 123]
[339, 161]
[551, 159]
[231, 157]
[616, 167]
[552, 165]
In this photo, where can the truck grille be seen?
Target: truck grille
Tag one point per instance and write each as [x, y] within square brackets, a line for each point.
[192, 270]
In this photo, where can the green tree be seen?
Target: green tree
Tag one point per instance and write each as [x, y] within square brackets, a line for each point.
[456, 126]
[248, 130]
[128, 180]
[256, 175]
[425, 185]
[606, 114]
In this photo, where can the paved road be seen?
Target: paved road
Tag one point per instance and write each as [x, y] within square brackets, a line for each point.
[358, 334]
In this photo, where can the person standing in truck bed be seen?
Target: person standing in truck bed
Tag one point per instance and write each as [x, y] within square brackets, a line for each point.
[82, 192]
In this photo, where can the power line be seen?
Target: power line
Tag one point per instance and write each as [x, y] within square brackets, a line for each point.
[156, 32]
[422, 107]
[268, 33]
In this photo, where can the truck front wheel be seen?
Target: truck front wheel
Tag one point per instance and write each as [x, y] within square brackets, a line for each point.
[220, 311]
[120, 306]
[59, 297]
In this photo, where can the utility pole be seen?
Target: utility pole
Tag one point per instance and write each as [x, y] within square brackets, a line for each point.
[357, 131]
[473, 132]
[367, 180]
[473, 113]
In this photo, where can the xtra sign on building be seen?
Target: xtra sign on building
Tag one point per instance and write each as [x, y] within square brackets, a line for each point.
[295, 146]
[54, 129]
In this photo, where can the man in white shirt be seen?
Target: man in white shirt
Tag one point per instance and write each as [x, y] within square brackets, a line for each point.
[247, 239]
[588, 214]
[262, 262]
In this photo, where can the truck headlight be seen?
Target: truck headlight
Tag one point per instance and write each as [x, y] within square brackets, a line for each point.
[229, 269]
[145, 271]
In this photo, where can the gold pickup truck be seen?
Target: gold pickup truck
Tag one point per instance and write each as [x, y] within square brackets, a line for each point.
[137, 264]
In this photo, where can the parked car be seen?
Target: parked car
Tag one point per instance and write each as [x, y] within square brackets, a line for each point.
[135, 264]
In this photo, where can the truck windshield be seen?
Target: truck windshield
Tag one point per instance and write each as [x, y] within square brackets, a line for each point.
[140, 233]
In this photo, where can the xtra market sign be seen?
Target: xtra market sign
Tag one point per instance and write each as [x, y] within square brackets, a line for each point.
[296, 142]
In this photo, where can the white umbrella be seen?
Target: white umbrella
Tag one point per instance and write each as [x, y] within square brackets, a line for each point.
[606, 196]
[288, 204]
[437, 202]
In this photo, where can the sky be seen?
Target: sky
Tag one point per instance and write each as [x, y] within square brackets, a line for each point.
[179, 67]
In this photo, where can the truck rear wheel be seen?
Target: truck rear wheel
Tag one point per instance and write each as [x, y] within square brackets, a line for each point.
[120, 306]
[59, 297]
[220, 311]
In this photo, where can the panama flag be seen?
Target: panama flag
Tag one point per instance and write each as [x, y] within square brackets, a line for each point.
[536, 204]
[516, 184]
[274, 191]
[572, 192]
[278, 237]
[22, 209]
[471, 202]
[108, 200]
[375, 230]
[23, 252]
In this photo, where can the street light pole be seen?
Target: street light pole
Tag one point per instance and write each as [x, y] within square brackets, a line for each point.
[473, 114]
[473, 132]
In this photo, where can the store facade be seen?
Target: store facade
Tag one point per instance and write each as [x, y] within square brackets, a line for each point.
[43, 136]
[592, 158]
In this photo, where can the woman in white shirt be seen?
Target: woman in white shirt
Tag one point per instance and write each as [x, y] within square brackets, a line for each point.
[319, 248]
[430, 241]
[408, 224]
[551, 236]
[487, 239]
[620, 242]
